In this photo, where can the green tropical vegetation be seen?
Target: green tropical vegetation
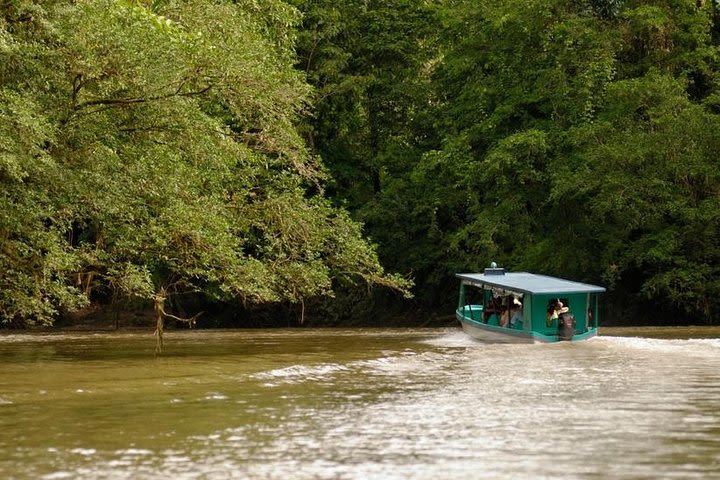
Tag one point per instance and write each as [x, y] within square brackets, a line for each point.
[153, 148]
[289, 154]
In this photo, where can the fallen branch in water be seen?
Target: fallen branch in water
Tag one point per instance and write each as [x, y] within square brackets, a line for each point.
[161, 314]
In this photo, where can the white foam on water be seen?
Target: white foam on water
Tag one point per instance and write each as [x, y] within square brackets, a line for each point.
[453, 338]
[693, 346]
[135, 451]
[393, 363]
[216, 396]
[401, 364]
[86, 452]
[299, 373]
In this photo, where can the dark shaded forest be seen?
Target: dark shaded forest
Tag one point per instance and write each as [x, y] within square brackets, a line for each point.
[324, 162]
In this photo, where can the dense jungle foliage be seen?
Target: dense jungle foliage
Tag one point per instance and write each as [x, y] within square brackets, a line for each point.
[258, 153]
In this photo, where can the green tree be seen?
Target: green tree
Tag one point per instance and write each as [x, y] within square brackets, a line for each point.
[590, 136]
[570, 137]
[370, 63]
[151, 148]
[643, 190]
[511, 78]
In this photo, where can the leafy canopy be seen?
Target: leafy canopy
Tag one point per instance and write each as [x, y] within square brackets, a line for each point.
[148, 145]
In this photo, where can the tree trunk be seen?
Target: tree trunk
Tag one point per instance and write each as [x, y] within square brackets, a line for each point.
[159, 319]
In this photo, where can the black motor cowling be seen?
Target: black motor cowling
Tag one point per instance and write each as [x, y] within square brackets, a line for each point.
[566, 326]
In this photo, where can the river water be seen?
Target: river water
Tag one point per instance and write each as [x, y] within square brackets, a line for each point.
[359, 404]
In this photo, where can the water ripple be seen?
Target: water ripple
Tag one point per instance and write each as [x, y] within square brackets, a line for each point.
[417, 405]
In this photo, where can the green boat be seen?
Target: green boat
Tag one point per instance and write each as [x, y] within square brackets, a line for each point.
[521, 307]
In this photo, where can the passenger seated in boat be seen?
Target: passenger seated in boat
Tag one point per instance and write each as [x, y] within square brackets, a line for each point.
[494, 307]
[505, 318]
[566, 326]
[555, 309]
[516, 312]
[512, 314]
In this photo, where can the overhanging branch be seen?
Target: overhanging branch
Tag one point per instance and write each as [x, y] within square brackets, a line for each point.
[134, 100]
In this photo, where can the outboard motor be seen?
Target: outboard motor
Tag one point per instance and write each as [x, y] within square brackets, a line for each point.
[566, 326]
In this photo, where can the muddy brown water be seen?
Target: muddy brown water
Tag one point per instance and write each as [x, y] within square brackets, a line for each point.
[359, 404]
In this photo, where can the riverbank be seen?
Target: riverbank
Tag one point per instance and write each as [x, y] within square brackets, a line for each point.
[138, 316]
[664, 332]
[144, 322]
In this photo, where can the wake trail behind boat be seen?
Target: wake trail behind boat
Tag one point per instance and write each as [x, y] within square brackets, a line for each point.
[453, 338]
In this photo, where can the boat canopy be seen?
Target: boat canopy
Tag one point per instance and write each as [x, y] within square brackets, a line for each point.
[527, 283]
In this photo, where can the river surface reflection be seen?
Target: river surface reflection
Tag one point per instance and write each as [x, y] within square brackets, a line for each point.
[359, 404]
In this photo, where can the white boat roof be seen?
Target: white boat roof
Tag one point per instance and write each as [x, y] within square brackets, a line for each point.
[528, 282]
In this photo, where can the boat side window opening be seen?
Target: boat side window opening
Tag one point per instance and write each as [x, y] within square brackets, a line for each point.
[472, 300]
[502, 308]
[516, 312]
[592, 311]
[511, 311]
[493, 306]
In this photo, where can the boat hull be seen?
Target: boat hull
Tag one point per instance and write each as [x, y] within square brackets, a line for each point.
[496, 334]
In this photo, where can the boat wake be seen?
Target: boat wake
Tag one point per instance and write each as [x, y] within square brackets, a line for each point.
[402, 363]
[299, 373]
[454, 338]
[692, 346]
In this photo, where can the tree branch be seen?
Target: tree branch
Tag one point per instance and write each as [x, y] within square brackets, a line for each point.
[134, 100]
[190, 321]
